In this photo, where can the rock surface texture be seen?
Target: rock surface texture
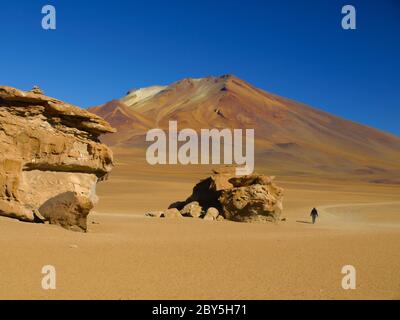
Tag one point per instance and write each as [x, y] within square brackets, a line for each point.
[252, 198]
[50, 159]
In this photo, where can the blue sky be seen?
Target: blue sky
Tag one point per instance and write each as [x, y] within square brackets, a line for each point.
[296, 49]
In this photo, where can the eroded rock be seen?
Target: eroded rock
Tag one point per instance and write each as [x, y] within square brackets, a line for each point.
[68, 209]
[172, 213]
[252, 198]
[212, 212]
[50, 158]
[209, 217]
[252, 203]
[192, 209]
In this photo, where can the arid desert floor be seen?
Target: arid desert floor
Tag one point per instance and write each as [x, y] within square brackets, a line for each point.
[126, 255]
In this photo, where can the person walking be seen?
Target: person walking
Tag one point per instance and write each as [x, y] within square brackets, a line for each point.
[314, 215]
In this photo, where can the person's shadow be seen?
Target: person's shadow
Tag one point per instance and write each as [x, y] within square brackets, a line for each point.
[302, 221]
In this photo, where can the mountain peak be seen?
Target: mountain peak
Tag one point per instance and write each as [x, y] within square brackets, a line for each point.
[288, 134]
[137, 95]
[229, 77]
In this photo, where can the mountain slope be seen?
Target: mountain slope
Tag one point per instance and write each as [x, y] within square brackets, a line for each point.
[289, 135]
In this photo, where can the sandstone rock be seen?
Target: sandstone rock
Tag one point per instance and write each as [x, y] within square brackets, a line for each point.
[221, 182]
[68, 210]
[172, 213]
[186, 208]
[192, 209]
[239, 198]
[220, 218]
[212, 212]
[36, 89]
[206, 192]
[251, 203]
[50, 159]
[245, 181]
[195, 212]
[209, 217]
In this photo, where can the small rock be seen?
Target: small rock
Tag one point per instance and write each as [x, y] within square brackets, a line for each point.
[36, 90]
[154, 214]
[68, 210]
[213, 212]
[186, 209]
[74, 246]
[195, 211]
[220, 218]
[192, 209]
[209, 217]
[172, 213]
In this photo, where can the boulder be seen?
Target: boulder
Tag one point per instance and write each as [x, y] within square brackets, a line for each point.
[248, 198]
[252, 203]
[172, 213]
[208, 217]
[192, 209]
[68, 210]
[50, 159]
[212, 212]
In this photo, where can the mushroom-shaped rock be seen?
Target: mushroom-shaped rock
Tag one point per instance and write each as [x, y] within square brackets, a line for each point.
[50, 159]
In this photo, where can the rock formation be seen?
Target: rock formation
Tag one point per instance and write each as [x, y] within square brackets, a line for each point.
[50, 159]
[238, 198]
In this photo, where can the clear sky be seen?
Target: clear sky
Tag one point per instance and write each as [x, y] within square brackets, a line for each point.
[296, 49]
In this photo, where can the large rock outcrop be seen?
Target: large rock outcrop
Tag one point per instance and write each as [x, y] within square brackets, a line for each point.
[50, 159]
[252, 198]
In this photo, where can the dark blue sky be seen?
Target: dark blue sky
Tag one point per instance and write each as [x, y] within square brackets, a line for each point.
[296, 49]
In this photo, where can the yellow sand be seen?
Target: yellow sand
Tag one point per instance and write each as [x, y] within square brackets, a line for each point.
[128, 256]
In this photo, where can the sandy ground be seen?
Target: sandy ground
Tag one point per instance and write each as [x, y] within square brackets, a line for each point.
[128, 256]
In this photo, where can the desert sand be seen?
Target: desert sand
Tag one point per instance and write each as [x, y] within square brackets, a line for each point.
[126, 255]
